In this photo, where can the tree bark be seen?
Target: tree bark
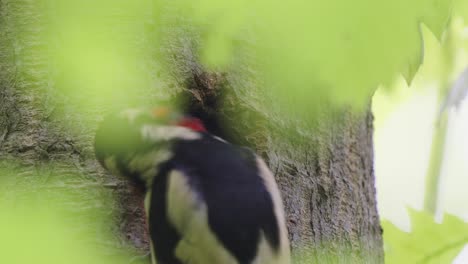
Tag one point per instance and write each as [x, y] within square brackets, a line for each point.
[324, 167]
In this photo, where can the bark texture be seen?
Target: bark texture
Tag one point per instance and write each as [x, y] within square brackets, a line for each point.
[324, 166]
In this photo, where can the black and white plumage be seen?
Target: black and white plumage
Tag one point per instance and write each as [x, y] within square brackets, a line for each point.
[207, 201]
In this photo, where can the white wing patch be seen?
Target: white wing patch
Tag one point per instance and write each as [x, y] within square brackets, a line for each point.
[220, 139]
[188, 213]
[147, 203]
[165, 133]
[146, 164]
[147, 207]
[264, 253]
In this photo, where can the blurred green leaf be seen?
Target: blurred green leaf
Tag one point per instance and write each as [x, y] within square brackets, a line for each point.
[428, 242]
[339, 49]
[305, 51]
[98, 48]
[461, 9]
[388, 98]
[46, 220]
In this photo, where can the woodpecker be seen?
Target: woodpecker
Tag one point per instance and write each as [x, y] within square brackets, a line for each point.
[207, 201]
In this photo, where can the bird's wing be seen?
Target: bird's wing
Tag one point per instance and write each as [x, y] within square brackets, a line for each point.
[188, 212]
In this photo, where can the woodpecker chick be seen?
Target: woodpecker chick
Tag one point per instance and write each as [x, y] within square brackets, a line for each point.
[207, 201]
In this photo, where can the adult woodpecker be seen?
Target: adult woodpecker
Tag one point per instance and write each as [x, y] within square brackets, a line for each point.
[207, 201]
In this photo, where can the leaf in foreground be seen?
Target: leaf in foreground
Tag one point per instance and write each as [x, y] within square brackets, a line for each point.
[428, 241]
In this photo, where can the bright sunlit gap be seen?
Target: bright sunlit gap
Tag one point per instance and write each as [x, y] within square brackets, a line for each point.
[405, 123]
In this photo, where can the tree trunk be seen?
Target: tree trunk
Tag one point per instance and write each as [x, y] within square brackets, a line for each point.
[324, 167]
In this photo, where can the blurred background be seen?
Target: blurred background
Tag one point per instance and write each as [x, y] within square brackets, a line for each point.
[421, 148]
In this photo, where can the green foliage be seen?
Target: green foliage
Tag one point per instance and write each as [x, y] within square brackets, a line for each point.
[308, 50]
[437, 71]
[305, 51]
[44, 223]
[461, 9]
[428, 242]
[387, 98]
[95, 48]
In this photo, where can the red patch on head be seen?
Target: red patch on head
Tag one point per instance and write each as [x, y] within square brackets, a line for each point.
[192, 123]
